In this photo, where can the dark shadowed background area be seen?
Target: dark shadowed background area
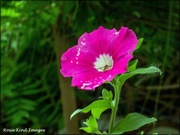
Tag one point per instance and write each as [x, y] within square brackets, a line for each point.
[34, 34]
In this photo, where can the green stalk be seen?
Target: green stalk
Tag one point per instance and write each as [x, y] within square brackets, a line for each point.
[117, 90]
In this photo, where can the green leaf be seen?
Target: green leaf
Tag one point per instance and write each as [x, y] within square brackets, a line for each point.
[107, 94]
[86, 129]
[27, 107]
[139, 43]
[32, 91]
[92, 126]
[10, 13]
[99, 105]
[28, 102]
[96, 112]
[132, 65]
[75, 112]
[150, 70]
[96, 108]
[132, 122]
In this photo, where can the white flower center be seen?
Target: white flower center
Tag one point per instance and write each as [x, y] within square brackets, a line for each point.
[103, 62]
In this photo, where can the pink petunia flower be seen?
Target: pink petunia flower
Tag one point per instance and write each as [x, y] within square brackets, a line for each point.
[98, 57]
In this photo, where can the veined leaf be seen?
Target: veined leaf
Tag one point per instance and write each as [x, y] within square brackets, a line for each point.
[132, 122]
[150, 70]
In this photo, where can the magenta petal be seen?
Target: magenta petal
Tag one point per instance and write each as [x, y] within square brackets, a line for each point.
[121, 64]
[125, 43]
[90, 80]
[100, 40]
[98, 57]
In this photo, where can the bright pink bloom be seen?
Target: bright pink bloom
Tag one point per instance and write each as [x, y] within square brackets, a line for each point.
[98, 57]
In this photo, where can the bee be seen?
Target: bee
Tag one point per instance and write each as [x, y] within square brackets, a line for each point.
[106, 67]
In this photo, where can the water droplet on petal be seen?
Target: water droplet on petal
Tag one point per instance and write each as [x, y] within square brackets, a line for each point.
[83, 43]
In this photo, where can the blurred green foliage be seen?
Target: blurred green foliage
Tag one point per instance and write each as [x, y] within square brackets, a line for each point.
[30, 95]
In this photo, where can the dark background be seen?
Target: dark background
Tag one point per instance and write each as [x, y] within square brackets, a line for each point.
[34, 34]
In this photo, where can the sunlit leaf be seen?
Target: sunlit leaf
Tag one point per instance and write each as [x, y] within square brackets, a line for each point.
[96, 112]
[87, 129]
[92, 126]
[96, 108]
[97, 104]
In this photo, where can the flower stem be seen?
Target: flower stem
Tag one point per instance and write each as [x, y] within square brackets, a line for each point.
[117, 90]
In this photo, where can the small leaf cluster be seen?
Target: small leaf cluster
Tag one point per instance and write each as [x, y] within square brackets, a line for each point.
[97, 108]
